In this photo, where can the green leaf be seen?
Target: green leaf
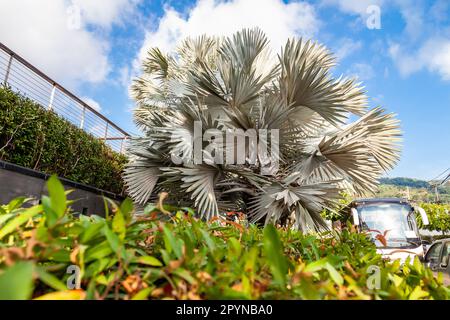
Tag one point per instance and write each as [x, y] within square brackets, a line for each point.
[235, 247]
[112, 238]
[208, 240]
[127, 208]
[418, 293]
[15, 203]
[99, 251]
[143, 294]
[150, 261]
[5, 217]
[16, 282]
[50, 215]
[113, 205]
[105, 204]
[316, 265]
[275, 254]
[60, 256]
[98, 266]
[417, 264]
[50, 280]
[334, 274]
[57, 196]
[250, 261]
[16, 222]
[119, 224]
[183, 273]
[172, 244]
[91, 231]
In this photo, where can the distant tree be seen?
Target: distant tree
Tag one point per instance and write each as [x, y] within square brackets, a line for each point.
[439, 216]
[405, 182]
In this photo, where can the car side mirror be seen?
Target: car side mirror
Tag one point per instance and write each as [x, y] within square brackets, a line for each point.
[423, 215]
[355, 216]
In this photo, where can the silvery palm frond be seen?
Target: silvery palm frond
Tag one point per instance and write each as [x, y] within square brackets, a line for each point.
[236, 87]
[199, 182]
[305, 81]
[277, 202]
[142, 173]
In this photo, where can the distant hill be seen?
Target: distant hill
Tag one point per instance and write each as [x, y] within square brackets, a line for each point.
[419, 190]
[405, 182]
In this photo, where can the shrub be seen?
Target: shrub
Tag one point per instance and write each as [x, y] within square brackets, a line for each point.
[167, 253]
[36, 138]
[438, 215]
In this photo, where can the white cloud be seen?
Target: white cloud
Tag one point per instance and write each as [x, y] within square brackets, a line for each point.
[277, 19]
[437, 56]
[412, 14]
[40, 32]
[439, 10]
[358, 7]
[347, 47]
[434, 56]
[405, 63]
[92, 103]
[125, 76]
[362, 71]
[105, 12]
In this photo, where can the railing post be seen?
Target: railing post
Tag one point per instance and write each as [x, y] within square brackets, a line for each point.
[122, 144]
[82, 117]
[8, 68]
[52, 96]
[106, 131]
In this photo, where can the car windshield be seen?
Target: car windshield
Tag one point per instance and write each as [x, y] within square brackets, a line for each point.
[391, 218]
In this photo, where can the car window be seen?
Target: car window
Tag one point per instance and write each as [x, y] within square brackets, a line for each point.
[445, 252]
[434, 252]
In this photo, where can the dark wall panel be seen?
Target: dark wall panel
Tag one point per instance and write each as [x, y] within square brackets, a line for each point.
[17, 181]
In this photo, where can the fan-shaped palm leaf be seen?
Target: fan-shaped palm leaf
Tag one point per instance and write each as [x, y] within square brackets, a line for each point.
[234, 84]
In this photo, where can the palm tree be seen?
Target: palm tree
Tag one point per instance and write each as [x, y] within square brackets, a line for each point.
[236, 84]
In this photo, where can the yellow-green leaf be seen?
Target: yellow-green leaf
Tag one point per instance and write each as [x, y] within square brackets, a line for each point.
[418, 293]
[150, 261]
[16, 222]
[143, 294]
[64, 295]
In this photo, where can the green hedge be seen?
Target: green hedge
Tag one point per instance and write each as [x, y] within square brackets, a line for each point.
[33, 137]
[166, 253]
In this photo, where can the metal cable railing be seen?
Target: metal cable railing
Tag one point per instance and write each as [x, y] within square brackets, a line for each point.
[26, 79]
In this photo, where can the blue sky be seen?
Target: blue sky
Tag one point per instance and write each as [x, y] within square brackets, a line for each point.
[94, 48]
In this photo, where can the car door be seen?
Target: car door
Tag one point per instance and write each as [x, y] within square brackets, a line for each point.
[444, 263]
[432, 258]
[444, 259]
